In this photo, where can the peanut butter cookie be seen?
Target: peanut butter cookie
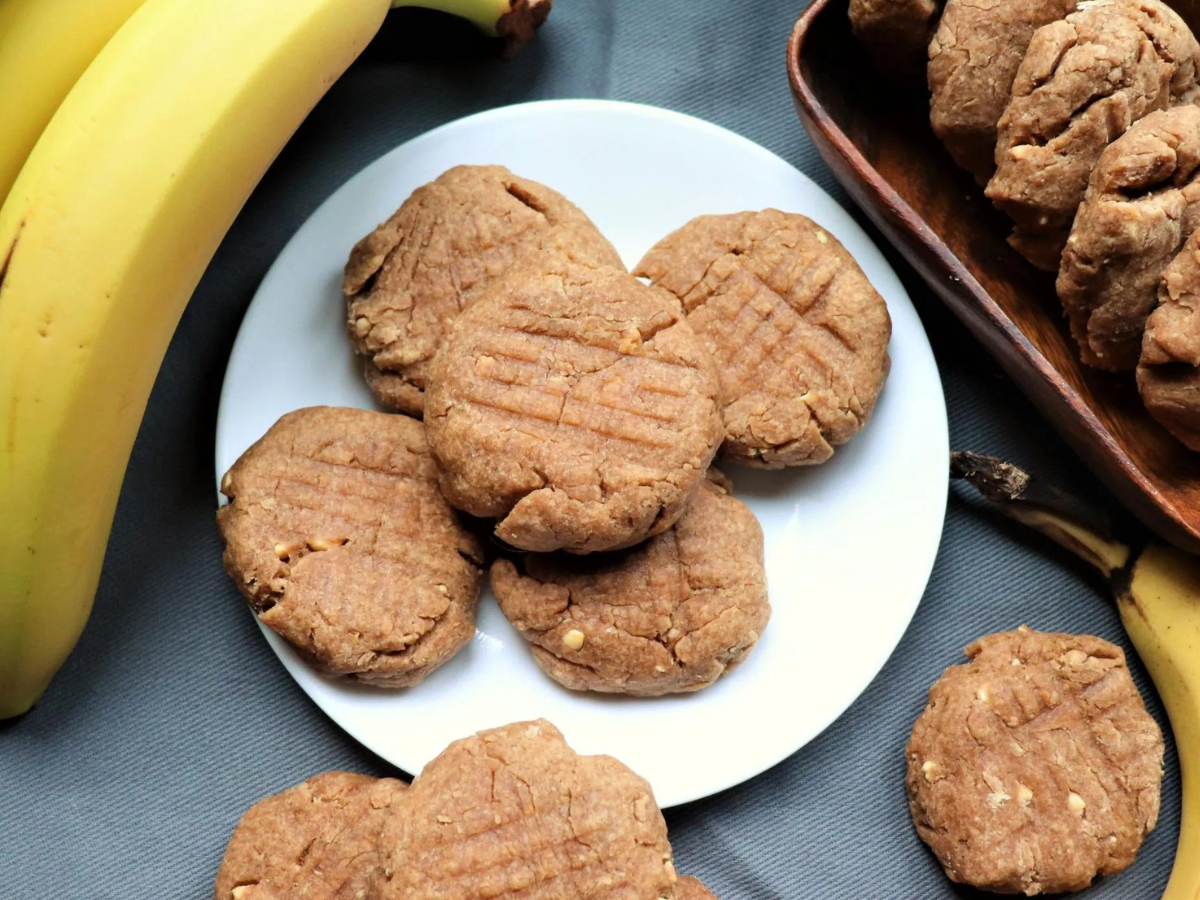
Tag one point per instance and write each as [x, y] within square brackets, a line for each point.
[574, 404]
[895, 32]
[973, 59]
[1142, 202]
[515, 812]
[1035, 766]
[799, 335]
[689, 888]
[671, 614]
[1168, 372]
[453, 237]
[338, 538]
[314, 841]
[1083, 82]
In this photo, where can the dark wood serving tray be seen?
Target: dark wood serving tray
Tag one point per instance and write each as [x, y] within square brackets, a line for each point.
[875, 135]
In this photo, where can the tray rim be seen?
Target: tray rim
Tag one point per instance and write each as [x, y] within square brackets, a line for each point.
[1020, 359]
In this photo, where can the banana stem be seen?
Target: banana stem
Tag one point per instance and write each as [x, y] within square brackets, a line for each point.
[516, 21]
[1065, 519]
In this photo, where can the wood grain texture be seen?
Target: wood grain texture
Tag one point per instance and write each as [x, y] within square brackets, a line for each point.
[875, 135]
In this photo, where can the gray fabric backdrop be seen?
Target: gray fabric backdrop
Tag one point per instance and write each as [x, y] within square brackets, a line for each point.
[172, 715]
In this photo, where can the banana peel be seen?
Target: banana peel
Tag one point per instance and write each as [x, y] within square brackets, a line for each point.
[1157, 589]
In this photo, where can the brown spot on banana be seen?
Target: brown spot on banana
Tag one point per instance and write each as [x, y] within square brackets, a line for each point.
[12, 248]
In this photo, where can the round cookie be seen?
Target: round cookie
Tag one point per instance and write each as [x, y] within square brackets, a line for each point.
[689, 888]
[669, 615]
[799, 335]
[574, 404]
[336, 534]
[973, 59]
[406, 281]
[895, 32]
[314, 841]
[1142, 202]
[515, 812]
[1084, 80]
[1035, 766]
[1168, 373]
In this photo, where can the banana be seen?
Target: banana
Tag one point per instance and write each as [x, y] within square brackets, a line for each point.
[1157, 589]
[103, 237]
[45, 45]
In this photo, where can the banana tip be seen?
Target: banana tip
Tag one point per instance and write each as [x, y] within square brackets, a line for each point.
[520, 23]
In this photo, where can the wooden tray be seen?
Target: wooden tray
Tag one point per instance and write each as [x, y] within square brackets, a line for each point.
[876, 137]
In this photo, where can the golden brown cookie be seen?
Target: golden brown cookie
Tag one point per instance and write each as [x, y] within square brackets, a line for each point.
[1168, 372]
[973, 59]
[515, 812]
[1142, 202]
[799, 335]
[453, 237]
[894, 32]
[669, 615]
[314, 841]
[1035, 766]
[689, 888]
[574, 404]
[336, 534]
[1083, 82]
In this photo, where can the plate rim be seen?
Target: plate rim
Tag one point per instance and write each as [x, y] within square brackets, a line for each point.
[859, 686]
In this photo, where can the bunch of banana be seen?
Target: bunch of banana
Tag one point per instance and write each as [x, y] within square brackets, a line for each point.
[1157, 589]
[105, 233]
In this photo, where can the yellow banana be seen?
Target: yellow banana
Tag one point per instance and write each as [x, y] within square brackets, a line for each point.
[44, 47]
[1158, 595]
[103, 238]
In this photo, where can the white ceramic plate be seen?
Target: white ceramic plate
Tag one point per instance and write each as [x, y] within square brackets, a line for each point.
[849, 544]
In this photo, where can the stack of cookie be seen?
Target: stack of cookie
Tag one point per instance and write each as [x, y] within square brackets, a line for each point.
[571, 408]
[1082, 121]
[508, 812]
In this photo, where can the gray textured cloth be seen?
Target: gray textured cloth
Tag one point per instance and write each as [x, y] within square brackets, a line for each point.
[172, 716]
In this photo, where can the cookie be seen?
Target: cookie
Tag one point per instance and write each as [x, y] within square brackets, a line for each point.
[574, 404]
[1142, 202]
[894, 32]
[1035, 766]
[799, 335]
[314, 841]
[669, 615]
[338, 538]
[406, 281]
[1083, 82]
[973, 59]
[1168, 373]
[515, 812]
[689, 888]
